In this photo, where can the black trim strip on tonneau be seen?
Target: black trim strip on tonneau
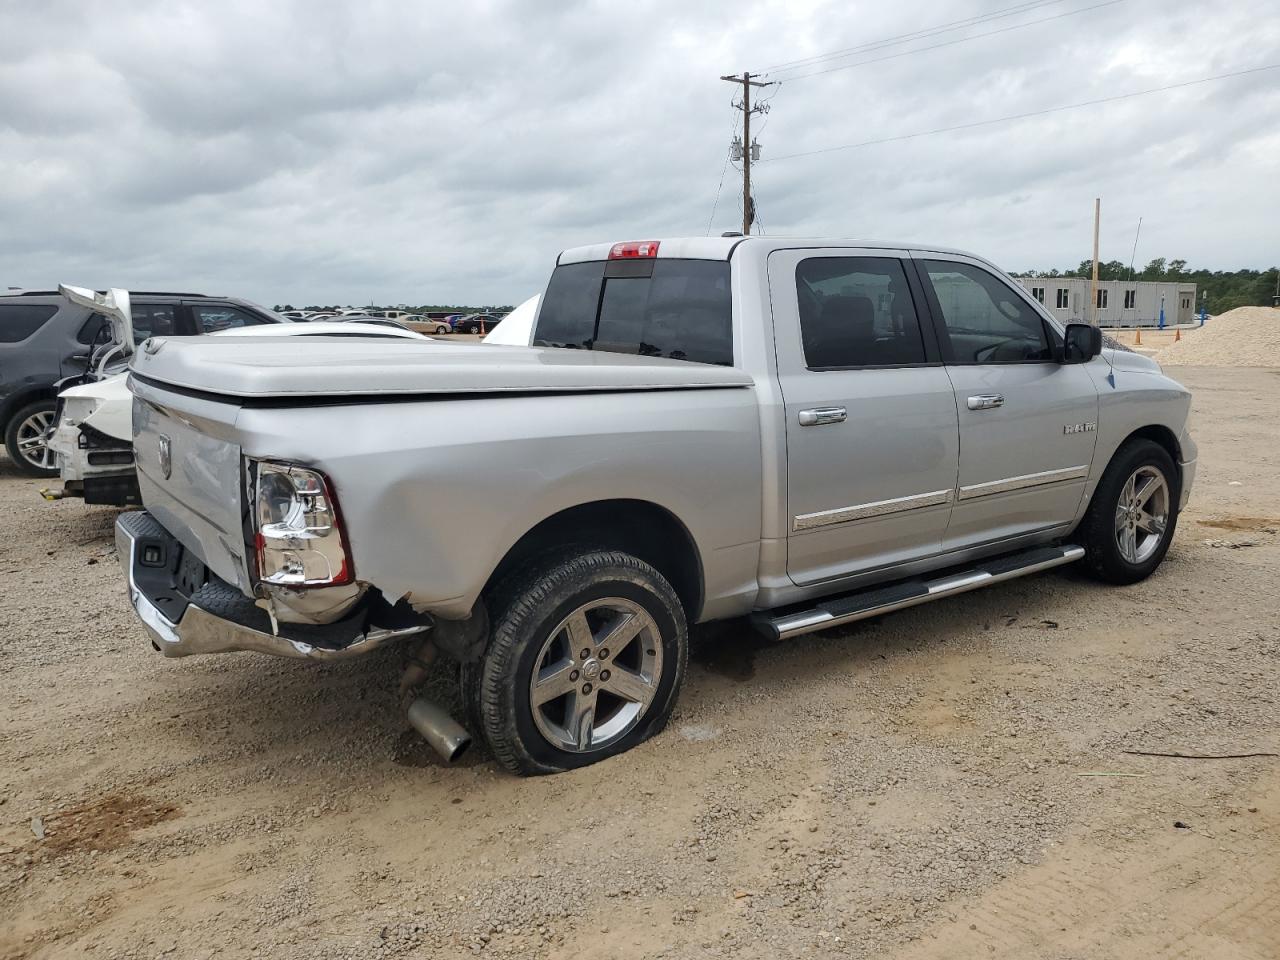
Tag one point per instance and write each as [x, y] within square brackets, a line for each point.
[340, 400]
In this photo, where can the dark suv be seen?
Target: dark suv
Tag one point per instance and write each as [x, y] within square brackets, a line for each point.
[476, 323]
[44, 338]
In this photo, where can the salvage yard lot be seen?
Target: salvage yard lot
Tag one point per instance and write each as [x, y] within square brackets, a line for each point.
[949, 781]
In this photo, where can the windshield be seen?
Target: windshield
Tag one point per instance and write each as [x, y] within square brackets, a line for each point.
[679, 309]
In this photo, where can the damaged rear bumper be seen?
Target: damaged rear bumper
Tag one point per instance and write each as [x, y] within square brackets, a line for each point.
[187, 610]
[93, 466]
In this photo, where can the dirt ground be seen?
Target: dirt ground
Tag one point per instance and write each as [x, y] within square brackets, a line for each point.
[949, 781]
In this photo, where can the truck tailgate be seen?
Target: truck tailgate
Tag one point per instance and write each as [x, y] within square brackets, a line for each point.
[188, 459]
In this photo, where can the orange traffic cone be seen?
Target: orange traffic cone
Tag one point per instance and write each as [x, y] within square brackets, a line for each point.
[1137, 337]
[1177, 335]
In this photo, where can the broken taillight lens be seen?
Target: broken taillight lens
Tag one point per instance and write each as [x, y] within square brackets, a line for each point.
[298, 532]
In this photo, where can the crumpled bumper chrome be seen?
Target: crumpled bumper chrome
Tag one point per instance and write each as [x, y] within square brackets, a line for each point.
[198, 631]
[1186, 466]
[1187, 469]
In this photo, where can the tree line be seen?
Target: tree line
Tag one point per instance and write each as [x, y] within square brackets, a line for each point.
[1227, 289]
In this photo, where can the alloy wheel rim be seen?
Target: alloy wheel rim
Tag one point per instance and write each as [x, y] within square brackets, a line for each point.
[33, 440]
[596, 675]
[1142, 514]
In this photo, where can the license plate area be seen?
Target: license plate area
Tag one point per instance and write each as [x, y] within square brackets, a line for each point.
[167, 573]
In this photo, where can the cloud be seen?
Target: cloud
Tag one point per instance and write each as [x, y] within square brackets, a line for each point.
[401, 152]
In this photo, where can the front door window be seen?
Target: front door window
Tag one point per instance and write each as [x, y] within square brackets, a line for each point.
[983, 319]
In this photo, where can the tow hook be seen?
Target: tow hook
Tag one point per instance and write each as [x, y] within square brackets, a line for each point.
[445, 735]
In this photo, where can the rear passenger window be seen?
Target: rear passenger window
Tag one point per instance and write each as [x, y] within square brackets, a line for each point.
[857, 312]
[658, 308]
[95, 330]
[152, 320]
[20, 320]
[149, 320]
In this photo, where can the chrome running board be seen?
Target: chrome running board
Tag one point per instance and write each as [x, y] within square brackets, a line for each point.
[910, 593]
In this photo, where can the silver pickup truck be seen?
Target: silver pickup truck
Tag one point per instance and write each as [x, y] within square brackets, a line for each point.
[802, 432]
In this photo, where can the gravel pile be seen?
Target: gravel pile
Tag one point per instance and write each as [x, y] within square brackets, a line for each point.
[1244, 337]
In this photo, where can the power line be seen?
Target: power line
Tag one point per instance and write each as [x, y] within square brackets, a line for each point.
[1025, 116]
[951, 43]
[755, 207]
[766, 104]
[733, 131]
[923, 33]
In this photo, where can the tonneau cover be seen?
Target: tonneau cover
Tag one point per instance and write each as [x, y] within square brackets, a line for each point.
[269, 367]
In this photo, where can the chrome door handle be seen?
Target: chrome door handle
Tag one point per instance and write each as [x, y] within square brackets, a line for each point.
[820, 415]
[986, 401]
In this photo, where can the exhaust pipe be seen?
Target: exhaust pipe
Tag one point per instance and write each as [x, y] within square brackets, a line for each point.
[445, 735]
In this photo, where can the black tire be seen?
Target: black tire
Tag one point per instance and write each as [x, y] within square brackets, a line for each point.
[49, 405]
[1103, 555]
[524, 610]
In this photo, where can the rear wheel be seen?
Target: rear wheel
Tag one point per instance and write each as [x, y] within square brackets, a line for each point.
[1134, 511]
[27, 439]
[585, 659]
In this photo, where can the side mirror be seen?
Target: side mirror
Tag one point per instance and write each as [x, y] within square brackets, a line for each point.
[1081, 343]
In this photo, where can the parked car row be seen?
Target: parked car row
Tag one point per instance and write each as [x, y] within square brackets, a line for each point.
[434, 321]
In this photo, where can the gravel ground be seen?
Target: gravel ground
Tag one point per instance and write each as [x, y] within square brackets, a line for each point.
[950, 781]
[1244, 337]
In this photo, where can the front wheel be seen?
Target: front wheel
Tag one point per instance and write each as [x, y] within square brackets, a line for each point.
[1130, 522]
[27, 439]
[585, 660]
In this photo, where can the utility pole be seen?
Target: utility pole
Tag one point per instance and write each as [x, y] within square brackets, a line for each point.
[1093, 292]
[750, 150]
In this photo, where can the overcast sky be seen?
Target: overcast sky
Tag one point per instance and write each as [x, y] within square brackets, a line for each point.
[318, 152]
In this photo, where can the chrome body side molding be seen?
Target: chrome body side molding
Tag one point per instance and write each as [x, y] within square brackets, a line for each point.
[1010, 484]
[864, 511]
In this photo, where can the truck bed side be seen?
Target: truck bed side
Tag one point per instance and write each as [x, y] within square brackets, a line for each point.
[434, 492]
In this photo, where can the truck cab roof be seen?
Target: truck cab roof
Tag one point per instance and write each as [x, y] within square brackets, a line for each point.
[723, 248]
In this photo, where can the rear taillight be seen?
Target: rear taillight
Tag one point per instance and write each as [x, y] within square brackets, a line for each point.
[297, 528]
[637, 249]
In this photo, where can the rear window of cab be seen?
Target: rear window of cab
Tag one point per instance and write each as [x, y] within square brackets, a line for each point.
[681, 309]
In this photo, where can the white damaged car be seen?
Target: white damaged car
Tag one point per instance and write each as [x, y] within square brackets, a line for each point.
[93, 434]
